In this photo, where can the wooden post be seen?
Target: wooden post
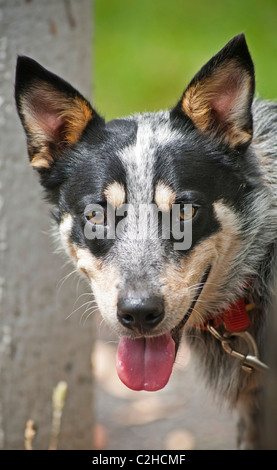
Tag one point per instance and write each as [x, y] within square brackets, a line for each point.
[39, 345]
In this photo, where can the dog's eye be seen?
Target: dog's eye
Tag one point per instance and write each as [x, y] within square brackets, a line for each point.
[187, 212]
[96, 217]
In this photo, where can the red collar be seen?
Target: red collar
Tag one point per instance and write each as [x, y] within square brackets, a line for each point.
[235, 318]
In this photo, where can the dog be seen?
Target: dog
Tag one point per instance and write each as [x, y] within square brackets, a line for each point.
[171, 216]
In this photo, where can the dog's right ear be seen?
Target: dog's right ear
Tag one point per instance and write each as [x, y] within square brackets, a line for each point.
[219, 98]
[54, 114]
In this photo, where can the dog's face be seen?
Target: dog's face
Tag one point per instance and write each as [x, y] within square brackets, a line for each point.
[148, 207]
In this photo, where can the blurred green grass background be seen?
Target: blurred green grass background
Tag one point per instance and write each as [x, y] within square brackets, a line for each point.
[146, 51]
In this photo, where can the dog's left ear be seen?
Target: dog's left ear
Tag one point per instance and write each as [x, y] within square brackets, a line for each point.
[218, 100]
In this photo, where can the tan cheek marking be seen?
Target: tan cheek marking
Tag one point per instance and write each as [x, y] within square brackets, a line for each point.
[104, 279]
[180, 283]
[104, 282]
[115, 194]
[85, 261]
[164, 196]
[88, 263]
[65, 231]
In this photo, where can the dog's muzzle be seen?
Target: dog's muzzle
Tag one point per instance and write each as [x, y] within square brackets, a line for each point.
[146, 363]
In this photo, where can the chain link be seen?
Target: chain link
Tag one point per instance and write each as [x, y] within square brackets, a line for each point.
[250, 361]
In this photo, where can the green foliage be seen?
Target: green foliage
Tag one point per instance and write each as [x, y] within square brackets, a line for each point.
[146, 51]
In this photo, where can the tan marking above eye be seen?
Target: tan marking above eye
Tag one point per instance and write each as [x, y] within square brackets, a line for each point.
[115, 194]
[164, 196]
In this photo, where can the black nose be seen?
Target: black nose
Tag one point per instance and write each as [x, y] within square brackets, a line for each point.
[141, 314]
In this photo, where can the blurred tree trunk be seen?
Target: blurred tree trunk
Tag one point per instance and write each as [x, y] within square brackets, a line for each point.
[39, 345]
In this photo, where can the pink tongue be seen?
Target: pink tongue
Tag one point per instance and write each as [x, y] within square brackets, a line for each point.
[145, 363]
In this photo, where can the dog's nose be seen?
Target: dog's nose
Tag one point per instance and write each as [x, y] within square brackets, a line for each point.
[141, 314]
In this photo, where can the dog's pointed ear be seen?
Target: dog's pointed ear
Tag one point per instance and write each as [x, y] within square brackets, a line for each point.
[218, 100]
[54, 114]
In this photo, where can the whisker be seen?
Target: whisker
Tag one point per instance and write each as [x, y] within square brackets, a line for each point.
[88, 294]
[90, 306]
[201, 284]
[93, 310]
[64, 279]
[81, 306]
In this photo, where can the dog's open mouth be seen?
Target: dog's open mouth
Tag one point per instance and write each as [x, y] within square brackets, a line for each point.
[146, 363]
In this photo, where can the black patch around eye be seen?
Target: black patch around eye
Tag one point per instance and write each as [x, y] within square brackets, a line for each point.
[99, 238]
[202, 225]
[88, 235]
[100, 248]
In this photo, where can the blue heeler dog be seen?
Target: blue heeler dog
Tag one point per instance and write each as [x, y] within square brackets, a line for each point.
[172, 218]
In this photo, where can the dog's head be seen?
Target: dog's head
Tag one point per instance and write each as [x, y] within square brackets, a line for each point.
[149, 207]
